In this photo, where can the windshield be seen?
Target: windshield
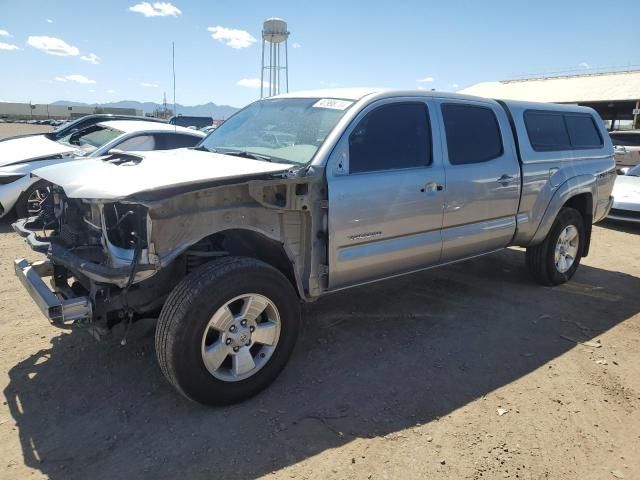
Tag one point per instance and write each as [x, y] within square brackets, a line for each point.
[90, 139]
[289, 130]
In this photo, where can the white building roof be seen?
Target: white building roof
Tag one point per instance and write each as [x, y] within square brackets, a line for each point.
[597, 87]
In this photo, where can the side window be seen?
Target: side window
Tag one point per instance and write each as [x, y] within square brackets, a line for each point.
[473, 133]
[169, 141]
[142, 143]
[390, 137]
[582, 131]
[547, 131]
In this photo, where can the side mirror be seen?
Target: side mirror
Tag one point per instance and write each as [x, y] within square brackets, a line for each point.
[115, 151]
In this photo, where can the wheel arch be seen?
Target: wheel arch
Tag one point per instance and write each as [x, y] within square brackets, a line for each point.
[578, 193]
[251, 242]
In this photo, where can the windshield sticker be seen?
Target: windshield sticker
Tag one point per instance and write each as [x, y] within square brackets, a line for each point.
[333, 104]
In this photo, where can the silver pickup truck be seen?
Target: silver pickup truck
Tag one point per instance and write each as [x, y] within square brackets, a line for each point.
[301, 195]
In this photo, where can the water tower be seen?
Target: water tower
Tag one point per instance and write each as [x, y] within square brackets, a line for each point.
[274, 34]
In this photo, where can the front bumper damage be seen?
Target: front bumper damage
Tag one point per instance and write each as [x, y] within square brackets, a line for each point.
[60, 311]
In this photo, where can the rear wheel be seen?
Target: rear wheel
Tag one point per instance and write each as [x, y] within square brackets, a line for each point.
[557, 258]
[227, 330]
[31, 201]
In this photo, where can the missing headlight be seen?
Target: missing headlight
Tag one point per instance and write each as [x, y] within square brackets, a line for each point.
[126, 224]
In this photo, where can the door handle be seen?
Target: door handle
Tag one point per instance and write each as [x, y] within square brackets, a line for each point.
[432, 187]
[505, 180]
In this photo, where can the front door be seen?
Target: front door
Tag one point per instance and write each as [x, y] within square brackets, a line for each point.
[385, 194]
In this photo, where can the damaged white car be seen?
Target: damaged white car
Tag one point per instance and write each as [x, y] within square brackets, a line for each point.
[304, 194]
[21, 155]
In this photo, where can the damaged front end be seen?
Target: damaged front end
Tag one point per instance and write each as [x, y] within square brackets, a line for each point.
[97, 253]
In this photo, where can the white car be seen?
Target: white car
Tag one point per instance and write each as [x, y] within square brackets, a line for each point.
[626, 197]
[20, 156]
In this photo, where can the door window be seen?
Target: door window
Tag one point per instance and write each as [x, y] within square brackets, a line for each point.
[169, 141]
[473, 134]
[141, 143]
[391, 137]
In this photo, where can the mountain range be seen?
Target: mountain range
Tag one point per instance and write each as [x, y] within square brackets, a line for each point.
[208, 109]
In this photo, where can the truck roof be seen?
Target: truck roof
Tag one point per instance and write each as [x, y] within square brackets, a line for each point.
[356, 94]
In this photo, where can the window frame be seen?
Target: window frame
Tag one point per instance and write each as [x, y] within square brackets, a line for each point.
[446, 141]
[563, 115]
[365, 113]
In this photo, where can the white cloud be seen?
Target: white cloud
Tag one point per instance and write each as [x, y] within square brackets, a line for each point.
[4, 33]
[9, 46]
[425, 80]
[584, 65]
[251, 83]
[53, 46]
[75, 78]
[91, 58]
[92, 91]
[49, 20]
[454, 85]
[296, 45]
[111, 91]
[149, 84]
[232, 37]
[158, 9]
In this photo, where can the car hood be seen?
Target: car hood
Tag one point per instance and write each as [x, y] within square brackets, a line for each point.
[124, 175]
[33, 147]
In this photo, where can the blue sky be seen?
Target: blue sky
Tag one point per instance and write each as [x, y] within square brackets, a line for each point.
[446, 45]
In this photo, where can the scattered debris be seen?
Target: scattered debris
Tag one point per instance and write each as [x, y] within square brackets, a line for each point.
[502, 411]
[602, 361]
[617, 474]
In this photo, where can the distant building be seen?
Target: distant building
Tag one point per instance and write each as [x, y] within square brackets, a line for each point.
[614, 95]
[27, 111]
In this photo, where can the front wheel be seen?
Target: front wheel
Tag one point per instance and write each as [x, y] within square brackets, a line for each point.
[557, 258]
[31, 201]
[227, 330]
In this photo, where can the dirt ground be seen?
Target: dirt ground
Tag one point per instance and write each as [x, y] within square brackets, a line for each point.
[11, 129]
[401, 379]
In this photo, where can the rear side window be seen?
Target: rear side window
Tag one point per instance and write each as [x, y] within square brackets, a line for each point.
[473, 134]
[547, 131]
[169, 141]
[625, 139]
[391, 137]
[554, 131]
[582, 131]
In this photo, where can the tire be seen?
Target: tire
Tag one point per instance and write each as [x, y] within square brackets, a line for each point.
[184, 328]
[541, 259]
[22, 207]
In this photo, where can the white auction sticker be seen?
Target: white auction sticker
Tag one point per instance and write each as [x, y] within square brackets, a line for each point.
[333, 103]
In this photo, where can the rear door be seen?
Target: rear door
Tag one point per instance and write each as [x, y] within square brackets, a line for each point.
[386, 182]
[483, 178]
